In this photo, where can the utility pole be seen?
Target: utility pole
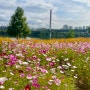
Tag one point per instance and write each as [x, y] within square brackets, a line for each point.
[50, 23]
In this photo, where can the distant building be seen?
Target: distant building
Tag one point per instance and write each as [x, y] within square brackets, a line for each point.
[84, 27]
[65, 27]
[76, 28]
[87, 27]
[70, 27]
[3, 27]
[80, 27]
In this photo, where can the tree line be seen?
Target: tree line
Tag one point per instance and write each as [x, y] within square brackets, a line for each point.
[18, 27]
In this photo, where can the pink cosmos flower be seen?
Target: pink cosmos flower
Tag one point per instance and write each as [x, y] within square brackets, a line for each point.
[57, 82]
[35, 83]
[22, 74]
[52, 64]
[48, 59]
[59, 67]
[34, 57]
[44, 70]
[11, 63]
[46, 87]
[23, 51]
[12, 57]
[16, 82]
[50, 82]
[42, 51]
[29, 76]
[28, 68]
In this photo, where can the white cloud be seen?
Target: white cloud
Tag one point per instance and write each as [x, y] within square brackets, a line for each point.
[82, 1]
[37, 12]
[87, 2]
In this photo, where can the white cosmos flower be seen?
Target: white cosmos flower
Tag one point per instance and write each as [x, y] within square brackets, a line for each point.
[17, 66]
[3, 79]
[74, 67]
[69, 64]
[19, 61]
[11, 88]
[54, 76]
[65, 66]
[72, 70]
[66, 59]
[61, 71]
[11, 73]
[2, 87]
[25, 63]
[75, 76]
[29, 77]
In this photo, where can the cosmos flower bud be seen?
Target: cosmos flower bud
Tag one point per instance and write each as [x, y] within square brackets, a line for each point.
[27, 87]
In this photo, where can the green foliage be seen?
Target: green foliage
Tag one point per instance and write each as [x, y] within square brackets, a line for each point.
[3, 32]
[71, 34]
[83, 72]
[44, 34]
[18, 26]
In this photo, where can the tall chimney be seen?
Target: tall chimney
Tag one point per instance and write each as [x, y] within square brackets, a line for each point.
[50, 23]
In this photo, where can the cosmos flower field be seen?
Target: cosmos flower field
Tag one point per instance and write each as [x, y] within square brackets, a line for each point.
[57, 64]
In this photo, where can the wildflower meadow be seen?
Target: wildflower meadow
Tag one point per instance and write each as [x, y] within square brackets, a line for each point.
[56, 64]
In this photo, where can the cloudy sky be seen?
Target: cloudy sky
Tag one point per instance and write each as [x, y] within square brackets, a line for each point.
[70, 12]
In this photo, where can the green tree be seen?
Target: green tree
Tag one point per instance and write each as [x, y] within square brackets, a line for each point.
[71, 34]
[18, 26]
